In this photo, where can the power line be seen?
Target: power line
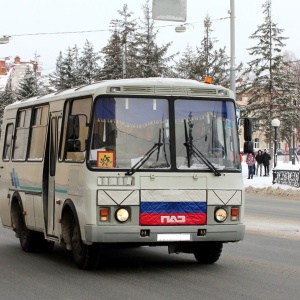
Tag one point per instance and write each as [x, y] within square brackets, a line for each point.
[58, 32]
[100, 30]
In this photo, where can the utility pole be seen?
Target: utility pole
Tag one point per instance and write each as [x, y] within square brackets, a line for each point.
[232, 46]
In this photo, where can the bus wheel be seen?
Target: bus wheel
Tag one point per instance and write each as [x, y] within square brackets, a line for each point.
[85, 256]
[207, 252]
[28, 238]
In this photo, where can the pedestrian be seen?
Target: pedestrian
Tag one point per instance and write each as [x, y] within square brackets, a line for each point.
[250, 161]
[266, 162]
[259, 162]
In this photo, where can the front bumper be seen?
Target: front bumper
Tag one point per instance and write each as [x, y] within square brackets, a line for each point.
[132, 234]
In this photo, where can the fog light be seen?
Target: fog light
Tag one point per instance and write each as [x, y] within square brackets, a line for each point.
[220, 214]
[122, 215]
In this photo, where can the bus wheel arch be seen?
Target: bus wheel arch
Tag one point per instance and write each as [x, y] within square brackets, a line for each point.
[85, 256]
[68, 214]
[26, 236]
[30, 240]
[15, 209]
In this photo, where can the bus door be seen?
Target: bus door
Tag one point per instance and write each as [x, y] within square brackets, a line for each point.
[50, 169]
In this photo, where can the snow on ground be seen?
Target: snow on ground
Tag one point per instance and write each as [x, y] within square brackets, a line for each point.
[263, 185]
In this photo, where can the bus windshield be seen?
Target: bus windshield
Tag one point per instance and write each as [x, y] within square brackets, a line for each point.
[126, 129]
[206, 134]
[134, 133]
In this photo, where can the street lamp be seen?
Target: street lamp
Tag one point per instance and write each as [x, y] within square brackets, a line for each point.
[275, 123]
[4, 39]
[180, 29]
[294, 151]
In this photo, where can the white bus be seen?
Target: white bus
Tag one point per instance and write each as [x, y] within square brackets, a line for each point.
[133, 162]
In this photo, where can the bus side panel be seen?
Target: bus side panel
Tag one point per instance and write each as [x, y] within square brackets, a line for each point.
[5, 195]
[28, 181]
[34, 211]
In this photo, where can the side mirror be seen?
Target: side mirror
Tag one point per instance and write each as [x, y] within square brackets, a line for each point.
[73, 146]
[247, 129]
[73, 127]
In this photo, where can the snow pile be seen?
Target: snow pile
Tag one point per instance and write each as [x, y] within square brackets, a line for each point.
[276, 192]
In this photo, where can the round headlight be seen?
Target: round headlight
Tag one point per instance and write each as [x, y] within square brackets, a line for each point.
[220, 214]
[122, 215]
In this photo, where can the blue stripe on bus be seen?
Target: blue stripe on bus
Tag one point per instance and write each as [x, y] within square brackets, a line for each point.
[30, 188]
[173, 207]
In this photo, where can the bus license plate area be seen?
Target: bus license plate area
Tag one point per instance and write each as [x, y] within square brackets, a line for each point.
[173, 237]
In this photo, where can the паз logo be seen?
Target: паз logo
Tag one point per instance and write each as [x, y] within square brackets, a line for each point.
[172, 219]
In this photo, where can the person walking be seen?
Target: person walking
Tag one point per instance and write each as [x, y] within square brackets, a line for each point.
[259, 161]
[250, 161]
[266, 162]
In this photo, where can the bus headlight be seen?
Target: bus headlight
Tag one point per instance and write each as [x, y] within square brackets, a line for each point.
[220, 214]
[122, 215]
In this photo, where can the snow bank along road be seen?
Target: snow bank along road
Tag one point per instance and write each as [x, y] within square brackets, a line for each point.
[277, 192]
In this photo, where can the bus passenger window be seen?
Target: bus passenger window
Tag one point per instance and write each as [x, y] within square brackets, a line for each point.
[7, 142]
[38, 133]
[22, 134]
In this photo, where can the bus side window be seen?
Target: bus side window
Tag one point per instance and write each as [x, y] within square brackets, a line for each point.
[8, 142]
[73, 147]
[73, 131]
[22, 134]
[38, 133]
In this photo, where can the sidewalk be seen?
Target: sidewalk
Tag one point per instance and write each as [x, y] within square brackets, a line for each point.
[266, 182]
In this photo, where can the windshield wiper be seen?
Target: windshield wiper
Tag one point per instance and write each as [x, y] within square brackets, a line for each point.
[188, 145]
[199, 154]
[192, 150]
[145, 157]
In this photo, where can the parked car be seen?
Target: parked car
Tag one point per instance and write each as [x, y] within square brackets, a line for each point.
[280, 151]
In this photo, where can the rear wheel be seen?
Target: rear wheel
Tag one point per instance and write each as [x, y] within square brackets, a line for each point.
[31, 241]
[208, 253]
[85, 256]
[28, 238]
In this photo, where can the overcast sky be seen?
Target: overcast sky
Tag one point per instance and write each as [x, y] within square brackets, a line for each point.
[25, 19]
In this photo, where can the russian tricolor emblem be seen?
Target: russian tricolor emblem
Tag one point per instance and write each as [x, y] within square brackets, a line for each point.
[174, 212]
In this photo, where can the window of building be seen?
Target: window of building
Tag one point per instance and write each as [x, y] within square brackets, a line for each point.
[256, 143]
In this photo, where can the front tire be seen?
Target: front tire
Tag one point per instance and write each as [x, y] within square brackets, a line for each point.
[208, 253]
[85, 256]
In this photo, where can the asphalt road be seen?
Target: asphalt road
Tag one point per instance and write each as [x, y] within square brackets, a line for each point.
[263, 266]
[273, 216]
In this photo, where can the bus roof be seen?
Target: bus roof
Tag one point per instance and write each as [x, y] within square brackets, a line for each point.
[141, 86]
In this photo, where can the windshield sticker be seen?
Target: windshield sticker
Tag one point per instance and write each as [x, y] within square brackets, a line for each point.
[106, 159]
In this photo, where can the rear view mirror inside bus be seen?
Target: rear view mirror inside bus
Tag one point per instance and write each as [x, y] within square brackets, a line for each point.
[73, 127]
